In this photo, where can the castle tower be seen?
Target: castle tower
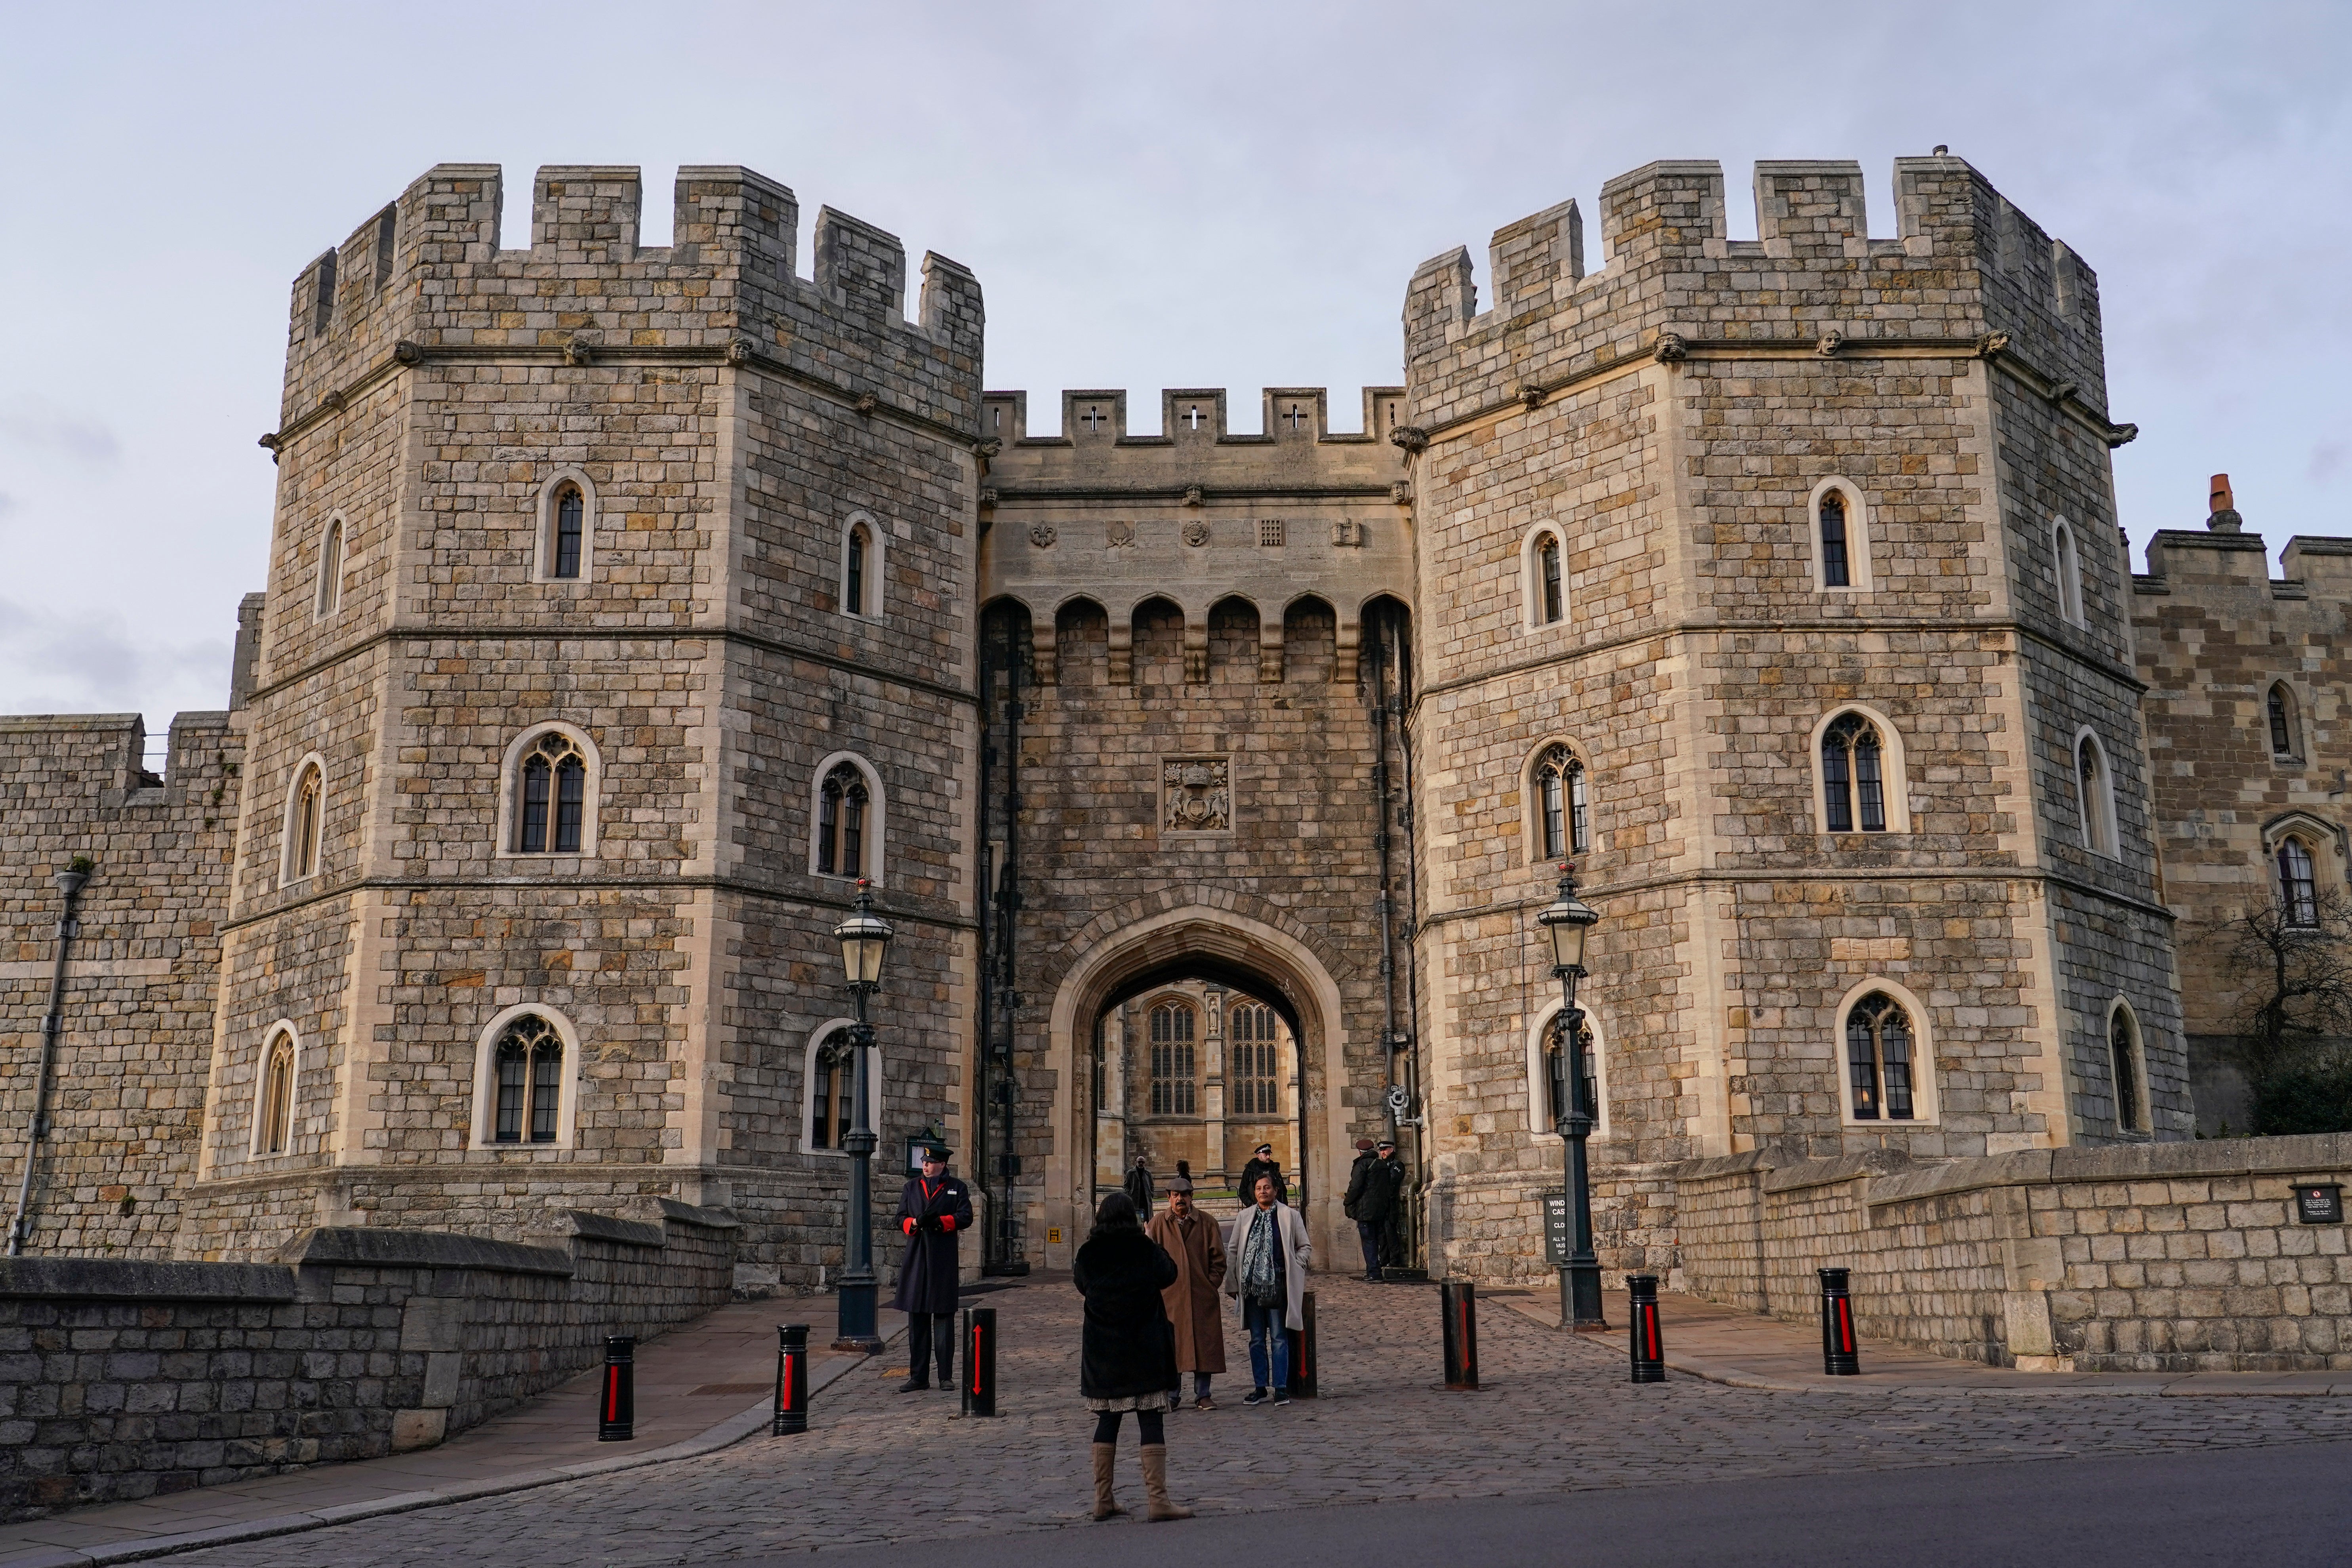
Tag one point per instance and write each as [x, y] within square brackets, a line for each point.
[620, 617]
[1795, 561]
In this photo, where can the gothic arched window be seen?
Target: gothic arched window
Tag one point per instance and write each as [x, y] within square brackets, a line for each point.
[570, 519]
[2093, 793]
[1549, 605]
[2123, 1054]
[1836, 570]
[1555, 1074]
[1563, 826]
[330, 569]
[852, 569]
[2298, 884]
[833, 1087]
[2070, 572]
[1854, 786]
[274, 1116]
[529, 1061]
[1174, 1090]
[842, 802]
[2284, 744]
[553, 795]
[304, 824]
[1251, 1061]
[1878, 1059]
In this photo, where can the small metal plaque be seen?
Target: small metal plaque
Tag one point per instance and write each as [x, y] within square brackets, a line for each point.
[1053, 1235]
[1557, 1245]
[2319, 1202]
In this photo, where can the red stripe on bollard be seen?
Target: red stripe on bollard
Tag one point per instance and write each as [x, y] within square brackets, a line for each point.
[1302, 1348]
[978, 1384]
[617, 1421]
[792, 1379]
[1458, 1311]
[1647, 1341]
[1841, 1356]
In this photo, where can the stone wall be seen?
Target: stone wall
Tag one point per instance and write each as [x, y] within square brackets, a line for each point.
[119, 1380]
[2180, 1257]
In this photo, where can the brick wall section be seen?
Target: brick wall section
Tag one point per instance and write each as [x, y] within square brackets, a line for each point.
[127, 1092]
[2177, 1257]
[126, 1380]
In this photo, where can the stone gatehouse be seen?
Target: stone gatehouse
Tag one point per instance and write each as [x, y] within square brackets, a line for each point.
[628, 604]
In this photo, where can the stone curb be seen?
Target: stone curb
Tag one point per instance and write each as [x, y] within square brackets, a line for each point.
[726, 1434]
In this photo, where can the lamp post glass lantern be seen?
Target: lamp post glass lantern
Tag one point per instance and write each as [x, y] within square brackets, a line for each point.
[1566, 920]
[862, 936]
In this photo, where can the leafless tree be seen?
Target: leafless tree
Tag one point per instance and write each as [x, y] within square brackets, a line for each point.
[2295, 976]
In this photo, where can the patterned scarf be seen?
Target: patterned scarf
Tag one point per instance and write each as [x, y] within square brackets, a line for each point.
[1258, 1268]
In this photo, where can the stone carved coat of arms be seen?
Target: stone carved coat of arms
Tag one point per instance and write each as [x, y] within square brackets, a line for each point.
[1196, 796]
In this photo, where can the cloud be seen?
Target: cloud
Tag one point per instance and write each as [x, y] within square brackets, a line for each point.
[36, 426]
[92, 662]
[2326, 457]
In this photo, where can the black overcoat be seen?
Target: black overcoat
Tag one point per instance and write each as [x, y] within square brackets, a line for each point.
[1247, 1186]
[926, 1279]
[1372, 1195]
[1126, 1347]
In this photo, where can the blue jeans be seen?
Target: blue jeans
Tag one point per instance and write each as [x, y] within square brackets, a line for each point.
[1269, 1345]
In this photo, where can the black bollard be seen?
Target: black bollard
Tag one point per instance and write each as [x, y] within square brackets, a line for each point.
[1458, 1304]
[1649, 1342]
[979, 1382]
[1302, 1348]
[618, 1422]
[1841, 1356]
[792, 1379]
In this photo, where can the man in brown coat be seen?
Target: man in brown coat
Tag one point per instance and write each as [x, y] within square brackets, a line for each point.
[1190, 1238]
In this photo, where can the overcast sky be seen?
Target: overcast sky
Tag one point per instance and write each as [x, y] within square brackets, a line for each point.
[1152, 195]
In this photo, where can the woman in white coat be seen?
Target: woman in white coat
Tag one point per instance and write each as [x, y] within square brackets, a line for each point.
[1270, 1260]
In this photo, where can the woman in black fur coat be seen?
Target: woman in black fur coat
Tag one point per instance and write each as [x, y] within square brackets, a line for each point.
[1128, 1354]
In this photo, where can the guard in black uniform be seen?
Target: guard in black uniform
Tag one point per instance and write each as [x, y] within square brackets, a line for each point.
[934, 1211]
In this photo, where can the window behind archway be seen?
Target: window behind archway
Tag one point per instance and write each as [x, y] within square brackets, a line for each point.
[855, 566]
[2286, 745]
[1878, 1055]
[1563, 824]
[1174, 1085]
[843, 802]
[274, 1127]
[570, 531]
[833, 1089]
[2298, 883]
[1550, 595]
[1253, 1057]
[1854, 785]
[1588, 1089]
[529, 1062]
[552, 792]
[1837, 569]
[2123, 1054]
[304, 824]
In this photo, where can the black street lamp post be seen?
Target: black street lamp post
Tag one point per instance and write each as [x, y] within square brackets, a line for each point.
[863, 937]
[1566, 920]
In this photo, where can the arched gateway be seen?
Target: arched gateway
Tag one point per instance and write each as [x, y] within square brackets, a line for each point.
[1251, 957]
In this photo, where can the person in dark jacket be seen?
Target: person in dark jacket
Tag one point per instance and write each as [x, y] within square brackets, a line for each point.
[1139, 1189]
[1373, 1200]
[1261, 1164]
[934, 1210]
[1127, 1350]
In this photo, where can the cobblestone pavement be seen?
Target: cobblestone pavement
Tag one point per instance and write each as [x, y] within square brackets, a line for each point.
[1556, 1413]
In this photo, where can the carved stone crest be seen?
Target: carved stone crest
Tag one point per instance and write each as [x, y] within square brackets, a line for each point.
[1347, 530]
[1042, 536]
[1191, 495]
[1401, 493]
[1670, 347]
[1196, 796]
[1117, 534]
[740, 351]
[1196, 533]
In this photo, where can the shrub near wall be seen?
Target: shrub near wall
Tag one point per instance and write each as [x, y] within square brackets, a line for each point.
[122, 1378]
[2185, 1256]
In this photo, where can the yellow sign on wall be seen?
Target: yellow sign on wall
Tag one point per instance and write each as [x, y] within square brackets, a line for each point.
[1053, 1235]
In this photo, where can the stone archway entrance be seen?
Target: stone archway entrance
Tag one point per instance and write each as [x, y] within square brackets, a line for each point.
[1164, 954]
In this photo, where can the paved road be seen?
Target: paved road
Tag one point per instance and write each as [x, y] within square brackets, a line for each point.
[1556, 1416]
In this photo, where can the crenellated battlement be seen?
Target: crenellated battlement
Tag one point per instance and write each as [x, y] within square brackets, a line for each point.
[1962, 264]
[1191, 417]
[430, 276]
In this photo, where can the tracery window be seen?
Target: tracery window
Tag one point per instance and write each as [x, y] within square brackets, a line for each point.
[1565, 824]
[1878, 1059]
[274, 1116]
[304, 824]
[1836, 571]
[2123, 1053]
[2285, 746]
[551, 808]
[2298, 883]
[841, 802]
[1174, 1085]
[832, 1088]
[570, 518]
[1853, 787]
[529, 1062]
[1252, 1056]
[1589, 1087]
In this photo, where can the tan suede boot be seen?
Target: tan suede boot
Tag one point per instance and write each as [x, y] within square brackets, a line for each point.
[1155, 1486]
[1105, 1506]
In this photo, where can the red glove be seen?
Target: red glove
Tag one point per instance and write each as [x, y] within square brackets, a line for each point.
[947, 1222]
[908, 1226]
